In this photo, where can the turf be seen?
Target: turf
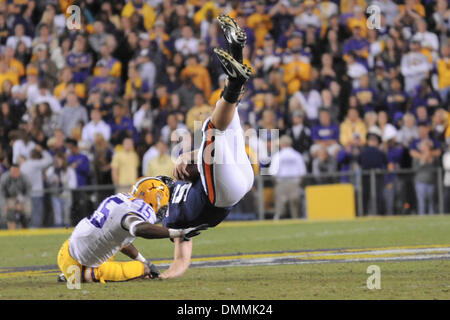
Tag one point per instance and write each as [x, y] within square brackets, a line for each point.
[400, 280]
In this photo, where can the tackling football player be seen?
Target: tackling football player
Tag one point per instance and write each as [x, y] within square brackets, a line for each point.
[116, 223]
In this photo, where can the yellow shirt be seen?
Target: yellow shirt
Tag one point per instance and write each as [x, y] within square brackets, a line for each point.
[215, 96]
[127, 164]
[294, 73]
[443, 68]
[11, 76]
[146, 12]
[200, 15]
[200, 77]
[80, 90]
[346, 6]
[161, 165]
[347, 129]
[197, 113]
[261, 25]
[17, 67]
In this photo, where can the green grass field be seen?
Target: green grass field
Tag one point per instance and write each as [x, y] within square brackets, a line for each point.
[400, 279]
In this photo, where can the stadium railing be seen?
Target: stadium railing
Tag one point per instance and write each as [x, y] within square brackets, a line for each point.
[377, 192]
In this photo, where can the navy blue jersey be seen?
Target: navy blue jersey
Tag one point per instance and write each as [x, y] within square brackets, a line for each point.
[189, 207]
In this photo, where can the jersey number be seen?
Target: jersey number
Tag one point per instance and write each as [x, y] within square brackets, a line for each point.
[100, 215]
[181, 192]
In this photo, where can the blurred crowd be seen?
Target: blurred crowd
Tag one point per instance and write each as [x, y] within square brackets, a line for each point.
[111, 101]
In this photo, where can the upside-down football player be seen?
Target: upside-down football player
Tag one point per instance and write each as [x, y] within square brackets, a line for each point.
[186, 206]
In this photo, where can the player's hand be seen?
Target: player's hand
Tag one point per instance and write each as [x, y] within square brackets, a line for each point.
[180, 172]
[154, 272]
[188, 233]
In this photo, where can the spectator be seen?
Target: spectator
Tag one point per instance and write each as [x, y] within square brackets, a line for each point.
[198, 113]
[325, 135]
[22, 146]
[143, 10]
[365, 94]
[102, 160]
[310, 99]
[260, 22]
[169, 131]
[121, 125]
[19, 36]
[72, 114]
[425, 177]
[428, 40]
[287, 166]
[424, 135]
[146, 68]
[124, 165]
[44, 95]
[96, 126]
[443, 70]
[353, 130]
[396, 99]
[162, 163]
[15, 188]
[34, 168]
[393, 193]
[79, 60]
[387, 129]
[66, 85]
[323, 165]
[300, 135]
[61, 178]
[79, 162]
[446, 166]
[47, 68]
[296, 72]
[414, 66]
[187, 44]
[198, 74]
[408, 132]
[371, 157]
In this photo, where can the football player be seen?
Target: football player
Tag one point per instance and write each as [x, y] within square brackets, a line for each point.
[116, 223]
[224, 170]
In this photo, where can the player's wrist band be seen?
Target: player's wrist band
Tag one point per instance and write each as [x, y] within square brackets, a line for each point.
[174, 233]
[133, 226]
[140, 258]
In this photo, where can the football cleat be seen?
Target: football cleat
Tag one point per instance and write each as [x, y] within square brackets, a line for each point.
[61, 278]
[235, 36]
[236, 71]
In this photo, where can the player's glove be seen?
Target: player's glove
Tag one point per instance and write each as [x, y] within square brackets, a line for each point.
[188, 233]
[154, 272]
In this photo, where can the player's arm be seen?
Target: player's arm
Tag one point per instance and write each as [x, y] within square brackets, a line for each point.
[140, 228]
[130, 251]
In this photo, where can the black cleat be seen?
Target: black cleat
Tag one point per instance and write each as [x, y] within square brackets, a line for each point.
[235, 36]
[237, 72]
[62, 278]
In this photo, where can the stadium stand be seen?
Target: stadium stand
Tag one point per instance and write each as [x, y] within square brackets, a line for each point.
[144, 69]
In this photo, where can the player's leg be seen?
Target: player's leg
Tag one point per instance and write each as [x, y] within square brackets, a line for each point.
[181, 261]
[223, 164]
[115, 271]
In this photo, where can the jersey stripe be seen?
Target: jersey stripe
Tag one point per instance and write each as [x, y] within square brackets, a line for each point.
[208, 163]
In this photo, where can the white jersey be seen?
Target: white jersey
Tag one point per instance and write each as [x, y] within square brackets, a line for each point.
[100, 236]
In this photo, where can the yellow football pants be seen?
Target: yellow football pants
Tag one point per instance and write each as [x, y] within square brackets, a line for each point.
[109, 271]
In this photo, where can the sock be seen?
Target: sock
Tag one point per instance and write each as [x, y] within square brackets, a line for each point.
[236, 52]
[232, 91]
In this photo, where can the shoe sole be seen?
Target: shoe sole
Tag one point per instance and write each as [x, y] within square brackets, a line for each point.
[225, 58]
[227, 23]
